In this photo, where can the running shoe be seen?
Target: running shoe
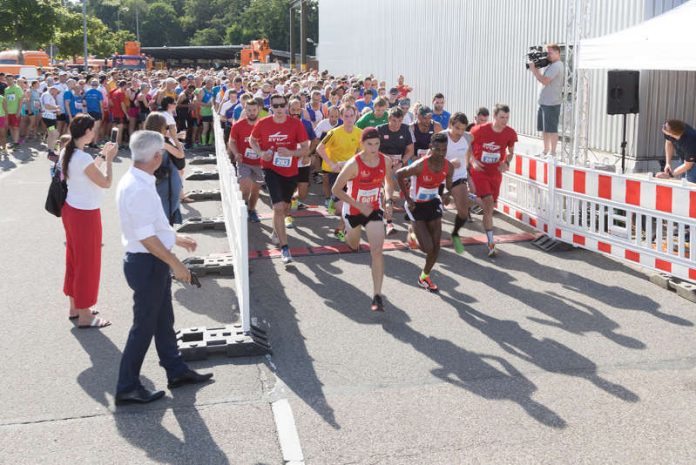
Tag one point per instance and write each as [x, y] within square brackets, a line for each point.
[302, 205]
[293, 204]
[254, 217]
[390, 229]
[491, 249]
[289, 222]
[317, 178]
[457, 243]
[377, 304]
[274, 239]
[340, 235]
[285, 255]
[331, 207]
[412, 241]
[427, 284]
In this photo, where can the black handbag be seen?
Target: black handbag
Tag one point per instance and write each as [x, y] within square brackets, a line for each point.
[57, 192]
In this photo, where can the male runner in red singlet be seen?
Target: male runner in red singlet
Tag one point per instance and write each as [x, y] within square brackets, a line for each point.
[423, 203]
[363, 177]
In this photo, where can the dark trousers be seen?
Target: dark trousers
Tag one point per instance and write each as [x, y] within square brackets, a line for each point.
[153, 315]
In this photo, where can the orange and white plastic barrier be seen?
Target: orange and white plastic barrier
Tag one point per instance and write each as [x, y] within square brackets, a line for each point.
[645, 221]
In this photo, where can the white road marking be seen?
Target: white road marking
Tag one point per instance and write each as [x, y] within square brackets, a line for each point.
[288, 436]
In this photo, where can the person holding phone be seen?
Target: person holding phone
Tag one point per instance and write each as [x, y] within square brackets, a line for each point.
[87, 179]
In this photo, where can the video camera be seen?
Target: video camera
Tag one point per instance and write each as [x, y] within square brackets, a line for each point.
[538, 56]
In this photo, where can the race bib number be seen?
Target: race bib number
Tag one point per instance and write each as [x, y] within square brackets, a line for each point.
[368, 196]
[425, 194]
[422, 152]
[250, 154]
[489, 157]
[280, 161]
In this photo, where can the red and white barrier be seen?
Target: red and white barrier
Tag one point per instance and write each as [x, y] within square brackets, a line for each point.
[644, 221]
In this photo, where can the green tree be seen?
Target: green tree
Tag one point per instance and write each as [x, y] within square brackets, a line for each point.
[27, 24]
[101, 41]
[208, 36]
[161, 26]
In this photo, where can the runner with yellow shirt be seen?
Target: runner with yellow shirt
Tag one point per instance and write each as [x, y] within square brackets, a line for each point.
[338, 146]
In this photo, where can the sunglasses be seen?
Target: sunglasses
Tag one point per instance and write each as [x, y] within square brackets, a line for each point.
[278, 105]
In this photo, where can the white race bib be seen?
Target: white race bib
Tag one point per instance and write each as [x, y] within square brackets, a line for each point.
[489, 157]
[425, 194]
[422, 152]
[250, 154]
[280, 161]
[368, 196]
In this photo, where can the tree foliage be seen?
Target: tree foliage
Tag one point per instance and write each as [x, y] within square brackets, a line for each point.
[36, 23]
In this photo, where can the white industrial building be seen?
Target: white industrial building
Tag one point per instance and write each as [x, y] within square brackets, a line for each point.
[474, 52]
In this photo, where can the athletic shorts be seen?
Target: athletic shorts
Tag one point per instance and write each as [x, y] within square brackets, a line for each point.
[3, 122]
[280, 188]
[253, 172]
[133, 112]
[332, 179]
[119, 119]
[458, 182]
[96, 115]
[13, 120]
[207, 119]
[50, 123]
[303, 174]
[486, 184]
[425, 211]
[361, 220]
[547, 118]
[62, 117]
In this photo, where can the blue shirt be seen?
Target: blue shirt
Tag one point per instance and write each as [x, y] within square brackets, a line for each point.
[360, 104]
[310, 130]
[442, 118]
[94, 99]
[238, 111]
[69, 100]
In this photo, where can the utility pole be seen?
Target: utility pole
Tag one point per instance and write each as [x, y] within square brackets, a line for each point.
[303, 34]
[292, 37]
[84, 32]
[137, 23]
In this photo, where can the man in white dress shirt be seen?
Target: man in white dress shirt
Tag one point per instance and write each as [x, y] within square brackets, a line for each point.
[148, 239]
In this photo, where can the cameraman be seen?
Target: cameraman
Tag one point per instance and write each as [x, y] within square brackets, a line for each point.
[550, 97]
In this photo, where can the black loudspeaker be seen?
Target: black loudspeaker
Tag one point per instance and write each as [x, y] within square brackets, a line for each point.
[622, 92]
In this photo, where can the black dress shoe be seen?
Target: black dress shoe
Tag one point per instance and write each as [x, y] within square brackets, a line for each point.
[138, 396]
[188, 377]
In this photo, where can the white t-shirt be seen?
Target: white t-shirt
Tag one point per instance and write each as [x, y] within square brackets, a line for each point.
[457, 150]
[169, 118]
[83, 194]
[409, 119]
[47, 99]
[323, 127]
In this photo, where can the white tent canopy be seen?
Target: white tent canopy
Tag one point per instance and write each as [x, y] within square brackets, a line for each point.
[666, 42]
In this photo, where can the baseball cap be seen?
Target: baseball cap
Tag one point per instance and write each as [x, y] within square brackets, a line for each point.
[370, 133]
[94, 83]
[425, 111]
[394, 91]
[58, 88]
[190, 77]
[405, 102]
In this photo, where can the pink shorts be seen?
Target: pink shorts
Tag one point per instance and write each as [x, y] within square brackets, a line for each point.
[2, 122]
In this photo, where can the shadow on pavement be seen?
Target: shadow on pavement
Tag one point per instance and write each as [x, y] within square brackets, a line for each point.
[468, 370]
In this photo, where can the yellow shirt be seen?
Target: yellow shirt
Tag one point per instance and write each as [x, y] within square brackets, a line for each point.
[341, 145]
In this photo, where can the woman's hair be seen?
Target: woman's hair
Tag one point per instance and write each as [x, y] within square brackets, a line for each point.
[156, 121]
[78, 128]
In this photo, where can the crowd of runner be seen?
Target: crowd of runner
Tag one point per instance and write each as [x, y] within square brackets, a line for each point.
[361, 139]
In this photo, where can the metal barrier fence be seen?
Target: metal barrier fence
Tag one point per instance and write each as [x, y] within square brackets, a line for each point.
[235, 214]
[645, 221]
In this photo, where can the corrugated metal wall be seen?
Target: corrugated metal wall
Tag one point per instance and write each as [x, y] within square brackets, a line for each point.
[664, 95]
[473, 51]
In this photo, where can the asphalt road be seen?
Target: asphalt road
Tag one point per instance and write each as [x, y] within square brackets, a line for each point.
[531, 358]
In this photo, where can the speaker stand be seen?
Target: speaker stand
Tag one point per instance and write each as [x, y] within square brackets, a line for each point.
[624, 143]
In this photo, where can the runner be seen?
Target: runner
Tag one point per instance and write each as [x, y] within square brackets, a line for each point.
[488, 161]
[481, 117]
[94, 100]
[458, 147]
[304, 165]
[118, 111]
[396, 142]
[315, 110]
[339, 146]
[13, 99]
[248, 161]
[205, 99]
[422, 130]
[359, 187]
[440, 115]
[281, 141]
[324, 126]
[423, 203]
[376, 117]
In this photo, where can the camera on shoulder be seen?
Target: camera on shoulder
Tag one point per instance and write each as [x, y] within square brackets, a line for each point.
[538, 56]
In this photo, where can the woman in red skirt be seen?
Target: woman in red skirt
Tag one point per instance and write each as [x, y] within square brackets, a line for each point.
[87, 179]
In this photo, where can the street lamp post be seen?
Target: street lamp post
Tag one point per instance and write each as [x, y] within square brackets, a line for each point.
[137, 22]
[84, 31]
